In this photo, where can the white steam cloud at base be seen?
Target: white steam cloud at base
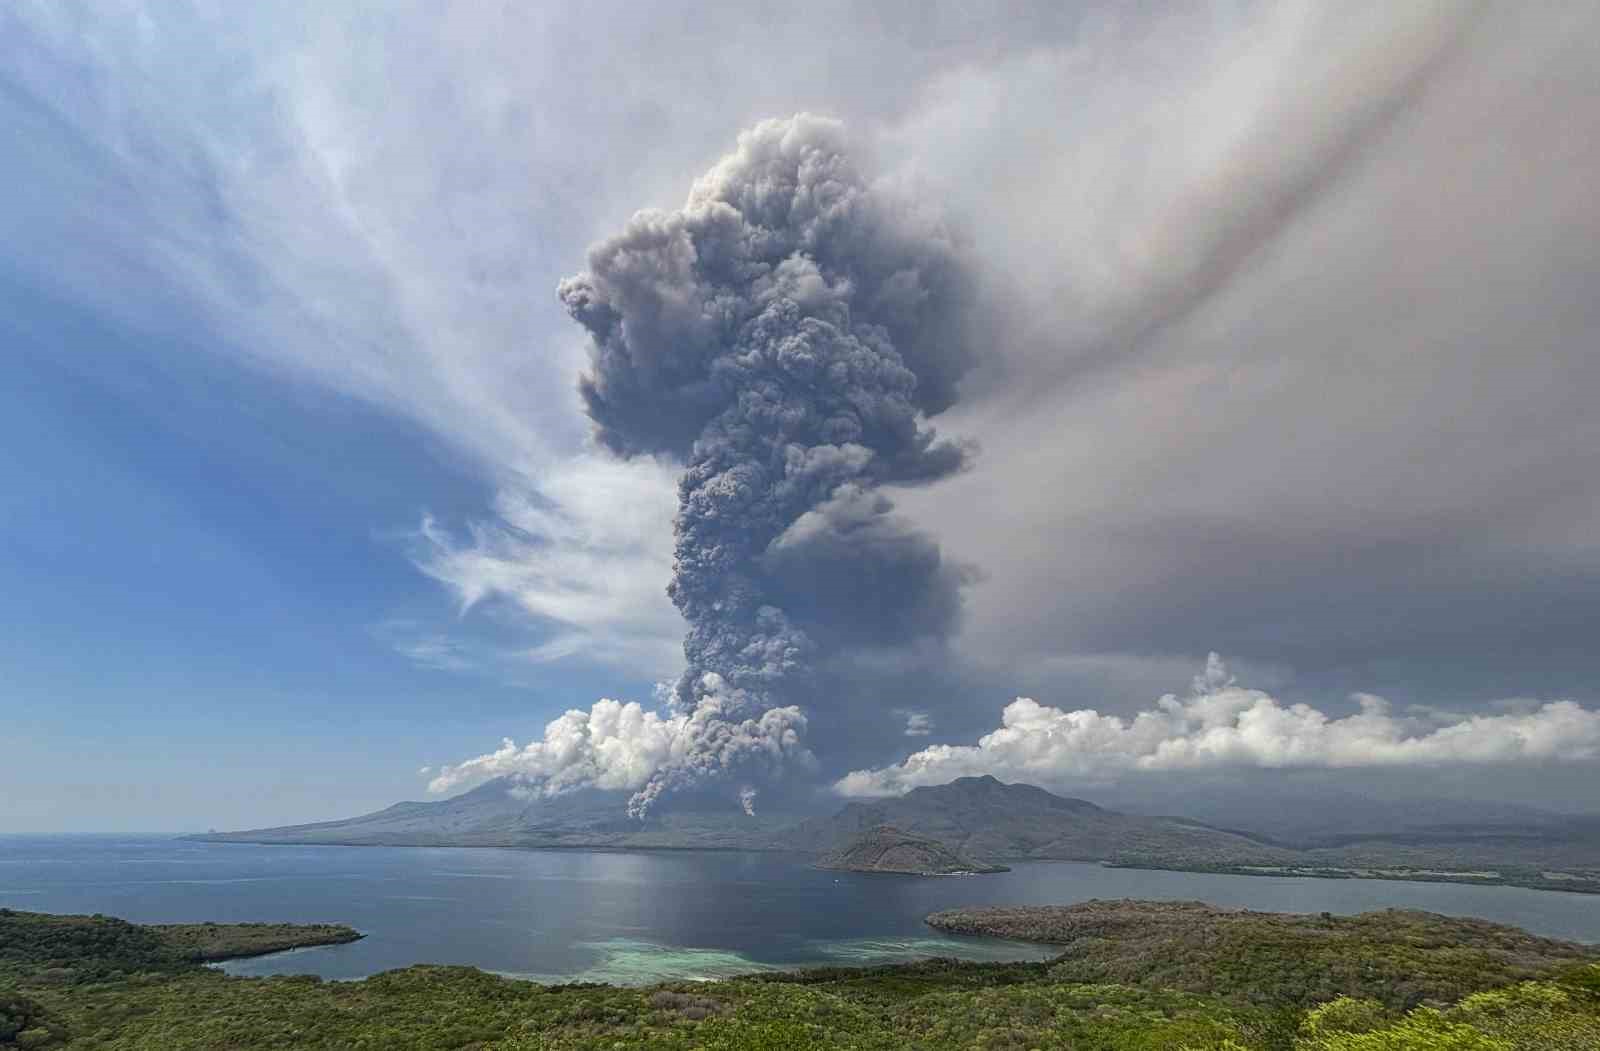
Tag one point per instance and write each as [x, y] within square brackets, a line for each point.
[621, 746]
[1221, 725]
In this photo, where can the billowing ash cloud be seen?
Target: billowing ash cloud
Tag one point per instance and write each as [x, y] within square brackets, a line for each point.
[1221, 725]
[785, 334]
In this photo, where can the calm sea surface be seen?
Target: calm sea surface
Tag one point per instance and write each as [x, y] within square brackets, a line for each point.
[640, 917]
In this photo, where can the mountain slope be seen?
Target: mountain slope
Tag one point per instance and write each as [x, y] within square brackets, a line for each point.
[1288, 809]
[499, 814]
[983, 818]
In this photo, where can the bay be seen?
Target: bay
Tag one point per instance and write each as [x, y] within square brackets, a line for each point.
[638, 917]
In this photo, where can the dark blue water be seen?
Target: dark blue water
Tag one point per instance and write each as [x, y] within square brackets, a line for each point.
[638, 917]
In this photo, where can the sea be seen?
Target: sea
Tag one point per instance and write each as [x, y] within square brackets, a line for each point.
[644, 916]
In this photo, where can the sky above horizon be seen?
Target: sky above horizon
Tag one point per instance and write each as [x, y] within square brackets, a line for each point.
[1268, 332]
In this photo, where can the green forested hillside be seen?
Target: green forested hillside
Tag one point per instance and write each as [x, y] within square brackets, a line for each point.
[1402, 958]
[94, 982]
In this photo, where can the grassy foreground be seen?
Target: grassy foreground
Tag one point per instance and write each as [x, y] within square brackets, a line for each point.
[1385, 982]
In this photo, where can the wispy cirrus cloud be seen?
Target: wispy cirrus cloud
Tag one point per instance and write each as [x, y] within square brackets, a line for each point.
[301, 191]
[583, 553]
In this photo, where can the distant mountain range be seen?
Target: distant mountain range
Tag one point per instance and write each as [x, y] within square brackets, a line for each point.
[976, 816]
[499, 813]
[981, 818]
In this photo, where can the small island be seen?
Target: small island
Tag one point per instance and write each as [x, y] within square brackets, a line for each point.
[888, 849]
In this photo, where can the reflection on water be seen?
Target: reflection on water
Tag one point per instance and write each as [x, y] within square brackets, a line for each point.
[636, 918]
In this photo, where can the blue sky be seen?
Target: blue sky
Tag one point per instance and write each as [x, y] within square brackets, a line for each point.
[195, 593]
[1285, 352]
[212, 612]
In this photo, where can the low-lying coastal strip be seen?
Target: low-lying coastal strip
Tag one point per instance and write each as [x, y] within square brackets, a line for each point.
[1581, 882]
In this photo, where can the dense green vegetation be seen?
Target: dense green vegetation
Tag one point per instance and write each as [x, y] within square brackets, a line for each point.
[204, 942]
[91, 947]
[95, 982]
[81, 948]
[1401, 958]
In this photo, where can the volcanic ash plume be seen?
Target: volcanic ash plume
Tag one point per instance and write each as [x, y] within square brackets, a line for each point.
[785, 334]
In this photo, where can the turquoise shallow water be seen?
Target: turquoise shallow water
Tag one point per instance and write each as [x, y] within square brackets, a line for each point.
[641, 917]
[629, 961]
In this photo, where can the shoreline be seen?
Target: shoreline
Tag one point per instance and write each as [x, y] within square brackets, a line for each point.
[1470, 878]
[1464, 879]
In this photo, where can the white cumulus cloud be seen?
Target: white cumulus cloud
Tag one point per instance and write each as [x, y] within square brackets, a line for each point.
[622, 746]
[613, 745]
[1223, 725]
